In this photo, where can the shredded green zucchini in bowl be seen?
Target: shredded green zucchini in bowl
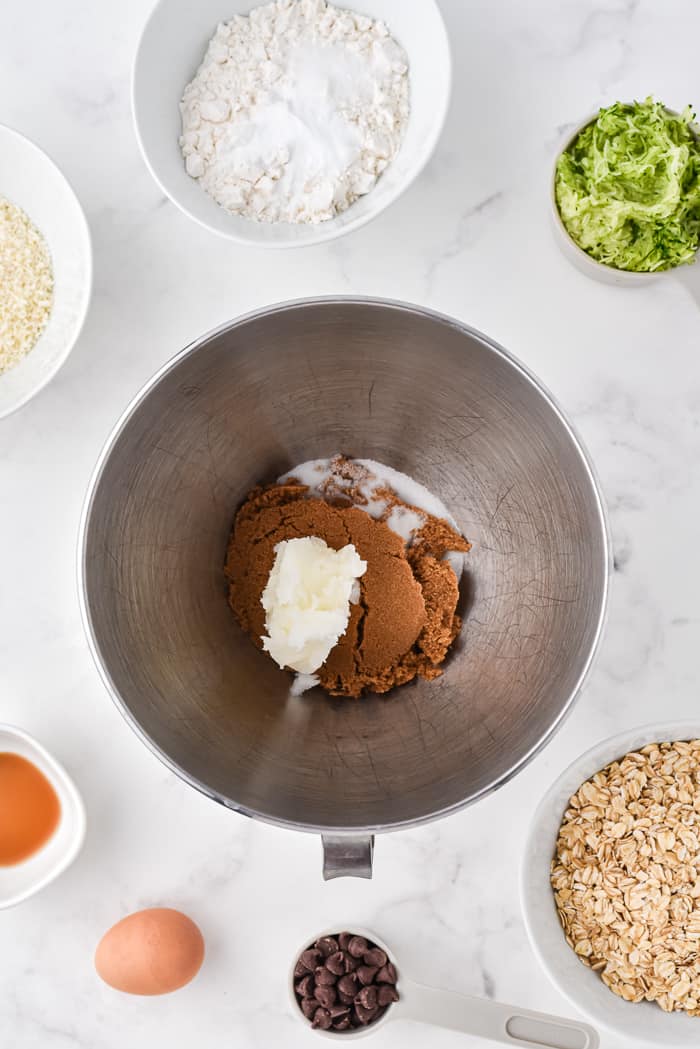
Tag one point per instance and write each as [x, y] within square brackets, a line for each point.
[628, 187]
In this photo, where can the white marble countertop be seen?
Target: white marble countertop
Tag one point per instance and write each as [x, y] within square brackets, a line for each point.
[470, 238]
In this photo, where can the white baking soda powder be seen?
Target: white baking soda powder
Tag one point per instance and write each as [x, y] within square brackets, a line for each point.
[317, 473]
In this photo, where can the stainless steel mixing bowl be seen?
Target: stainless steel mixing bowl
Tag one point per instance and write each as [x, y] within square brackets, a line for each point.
[381, 380]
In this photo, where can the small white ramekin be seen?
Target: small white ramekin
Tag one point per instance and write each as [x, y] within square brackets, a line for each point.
[22, 880]
[579, 258]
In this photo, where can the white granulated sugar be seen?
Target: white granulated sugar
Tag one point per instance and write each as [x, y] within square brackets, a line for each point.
[405, 522]
[316, 473]
[295, 111]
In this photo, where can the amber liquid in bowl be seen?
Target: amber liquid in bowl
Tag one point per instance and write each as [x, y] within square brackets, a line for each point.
[29, 809]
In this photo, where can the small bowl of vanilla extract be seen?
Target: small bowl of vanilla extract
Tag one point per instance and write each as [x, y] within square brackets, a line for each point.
[42, 817]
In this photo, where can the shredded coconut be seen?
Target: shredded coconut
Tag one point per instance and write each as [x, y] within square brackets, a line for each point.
[26, 284]
[295, 111]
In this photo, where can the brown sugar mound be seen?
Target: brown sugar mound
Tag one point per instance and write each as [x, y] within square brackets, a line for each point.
[405, 620]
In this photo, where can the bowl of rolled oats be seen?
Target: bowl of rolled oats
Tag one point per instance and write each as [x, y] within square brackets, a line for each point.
[611, 884]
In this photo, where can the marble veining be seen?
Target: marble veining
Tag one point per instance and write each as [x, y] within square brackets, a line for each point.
[471, 238]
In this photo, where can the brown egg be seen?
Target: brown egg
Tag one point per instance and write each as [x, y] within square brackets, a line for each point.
[150, 952]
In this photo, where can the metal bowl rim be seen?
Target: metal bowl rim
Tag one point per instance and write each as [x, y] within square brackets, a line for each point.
[120, 426]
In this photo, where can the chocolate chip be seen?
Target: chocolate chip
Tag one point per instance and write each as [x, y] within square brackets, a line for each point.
[326, 996]
[348, 984]
[344, 982]
[324, 977]
[375, 956]
[365, 1016]
[310, 959]
[367, 997]
[305, 987]
[308, 1006]
[327, 945]
[357, 946]
[322, 1019]
[336, 963]
[387, 994]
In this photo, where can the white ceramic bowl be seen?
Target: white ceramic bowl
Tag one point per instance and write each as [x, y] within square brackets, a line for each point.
[30, 179]
[22, 880]
[643, 1022]
[576, 255]
[171, 48]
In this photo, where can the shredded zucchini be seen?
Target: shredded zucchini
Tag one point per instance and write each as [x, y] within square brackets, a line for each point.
[628, 187]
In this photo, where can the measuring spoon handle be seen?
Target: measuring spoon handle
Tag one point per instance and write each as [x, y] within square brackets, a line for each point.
[505, 1024]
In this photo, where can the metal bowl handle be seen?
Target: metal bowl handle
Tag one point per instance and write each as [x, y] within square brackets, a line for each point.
[345, 856]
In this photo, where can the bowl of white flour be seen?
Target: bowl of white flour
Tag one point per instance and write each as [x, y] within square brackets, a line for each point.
[289, 122]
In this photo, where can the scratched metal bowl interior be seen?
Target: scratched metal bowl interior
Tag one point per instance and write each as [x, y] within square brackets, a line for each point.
[373, 379]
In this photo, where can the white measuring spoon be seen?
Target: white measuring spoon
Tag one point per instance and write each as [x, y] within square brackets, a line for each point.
[506, 1024]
